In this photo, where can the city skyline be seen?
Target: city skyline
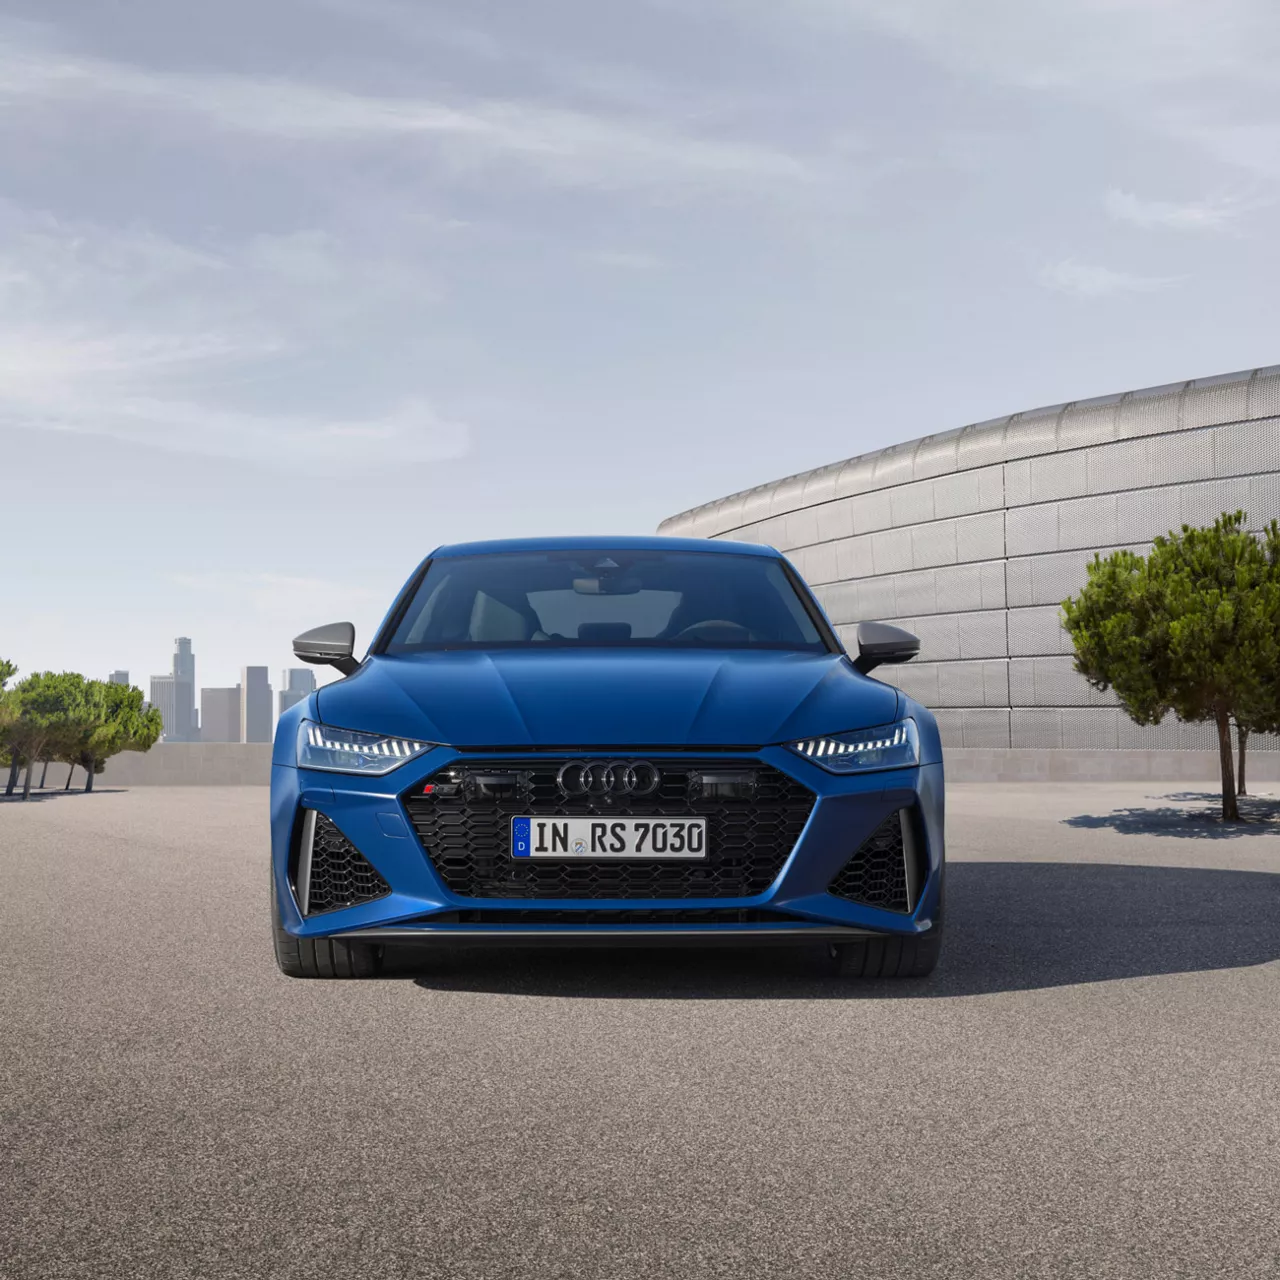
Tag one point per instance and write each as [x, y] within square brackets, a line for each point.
[218, 671]
[243, 712]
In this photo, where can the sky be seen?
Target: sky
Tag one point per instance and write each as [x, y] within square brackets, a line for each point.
[293, 291]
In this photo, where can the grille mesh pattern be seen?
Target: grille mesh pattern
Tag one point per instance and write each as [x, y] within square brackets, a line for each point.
[876, 875]
[341, 876]
[467, 835]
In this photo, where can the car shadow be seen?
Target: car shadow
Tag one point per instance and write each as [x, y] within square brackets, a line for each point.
[1188, 814]
[1011, 926]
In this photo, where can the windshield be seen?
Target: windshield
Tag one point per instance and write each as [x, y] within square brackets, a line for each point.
[606, 599]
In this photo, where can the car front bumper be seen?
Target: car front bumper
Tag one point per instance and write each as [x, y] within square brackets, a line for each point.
[796, 907]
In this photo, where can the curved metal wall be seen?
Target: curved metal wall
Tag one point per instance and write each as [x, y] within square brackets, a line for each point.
[973, 538]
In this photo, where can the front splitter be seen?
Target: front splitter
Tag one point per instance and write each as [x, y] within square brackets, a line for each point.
[604, 936]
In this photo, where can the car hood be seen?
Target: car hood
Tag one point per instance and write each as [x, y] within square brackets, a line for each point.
[607, 698]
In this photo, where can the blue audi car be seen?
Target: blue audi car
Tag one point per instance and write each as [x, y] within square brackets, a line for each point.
[617, 741]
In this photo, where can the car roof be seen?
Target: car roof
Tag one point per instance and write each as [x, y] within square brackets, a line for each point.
[503, 545]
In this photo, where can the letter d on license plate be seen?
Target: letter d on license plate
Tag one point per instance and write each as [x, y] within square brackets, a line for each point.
[601, 838]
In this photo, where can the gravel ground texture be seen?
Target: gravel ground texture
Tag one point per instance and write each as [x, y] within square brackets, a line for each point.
[1089, 1086]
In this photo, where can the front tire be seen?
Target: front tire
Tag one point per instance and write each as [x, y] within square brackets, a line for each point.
[320, 957]
[889, 957]
[892, 956]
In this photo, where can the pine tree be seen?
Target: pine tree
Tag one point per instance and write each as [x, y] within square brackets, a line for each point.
[1261, 712]
[1190, 628]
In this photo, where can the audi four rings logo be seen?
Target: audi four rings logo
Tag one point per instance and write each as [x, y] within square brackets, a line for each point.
[597, 778]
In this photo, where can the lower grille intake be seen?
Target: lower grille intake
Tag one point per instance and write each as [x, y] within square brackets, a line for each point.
[883, 873]
[754, 815]
[333, 873]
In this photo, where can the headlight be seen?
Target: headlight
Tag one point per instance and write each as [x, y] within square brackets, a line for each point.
[320, 746]
[890, 746]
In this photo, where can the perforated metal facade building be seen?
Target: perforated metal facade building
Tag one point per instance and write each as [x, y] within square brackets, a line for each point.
[972, 539]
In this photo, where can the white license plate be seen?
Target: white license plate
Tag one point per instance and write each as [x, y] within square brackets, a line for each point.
[608, 838]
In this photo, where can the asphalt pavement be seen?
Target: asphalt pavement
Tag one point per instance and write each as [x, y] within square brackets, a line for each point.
[1088, 1087]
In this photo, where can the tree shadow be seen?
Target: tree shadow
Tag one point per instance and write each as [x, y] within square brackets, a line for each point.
[1011, 926]
[1193, 814]
[50, 793]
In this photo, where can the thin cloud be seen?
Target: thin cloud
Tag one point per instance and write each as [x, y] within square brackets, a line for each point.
[1182, 68]
[135, 337]
[623, 259]
[412, 430]
[1082, 280]
[1097, 47]
[270, 592]
[1207, 215]
[556, 145]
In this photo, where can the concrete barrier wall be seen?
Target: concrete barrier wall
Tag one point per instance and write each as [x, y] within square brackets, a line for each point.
[177, 764]
[969, 764]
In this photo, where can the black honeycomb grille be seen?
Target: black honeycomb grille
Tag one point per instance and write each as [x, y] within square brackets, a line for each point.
[876, 875]
[466, 831]
[341, 876]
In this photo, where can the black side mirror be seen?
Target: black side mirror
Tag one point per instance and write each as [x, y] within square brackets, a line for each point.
[332, 646]
[879, 643]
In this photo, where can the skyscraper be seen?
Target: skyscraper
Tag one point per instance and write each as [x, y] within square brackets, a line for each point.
[162, 700]
[220, 715]
[184, 690]
[255, 705]
[295, 684]
[118, 677]
[175, 695]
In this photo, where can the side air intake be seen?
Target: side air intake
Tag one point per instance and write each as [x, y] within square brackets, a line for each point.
[331, 872]
[888, 869]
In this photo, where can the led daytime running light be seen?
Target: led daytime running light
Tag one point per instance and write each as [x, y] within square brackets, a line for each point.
[815, 748]
[890, 746]
[400, 748]
[324, 747]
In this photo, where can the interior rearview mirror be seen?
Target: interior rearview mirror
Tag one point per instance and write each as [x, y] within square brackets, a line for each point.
[879, 643]
[333, 646]
[607, 585]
